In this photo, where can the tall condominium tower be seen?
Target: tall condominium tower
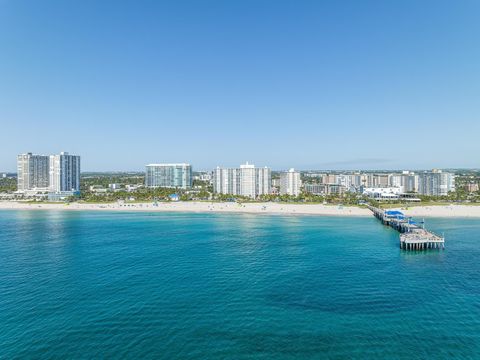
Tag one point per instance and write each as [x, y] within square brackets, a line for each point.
[32, 172]
[407, 181]
[169, 175]
[436, 183]
[290, 183]
[64, 172]
[246, 180]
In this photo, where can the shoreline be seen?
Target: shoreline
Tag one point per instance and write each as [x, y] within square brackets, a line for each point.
[441, 211]
[196, 207]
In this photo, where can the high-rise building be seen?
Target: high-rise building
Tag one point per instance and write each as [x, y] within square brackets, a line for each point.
[32, 172]
[248, 184]
[226, 181]
[410, 183]
[407, 181]
[64, 173]
[290, 183]
[42, 173]
[169, 175]
[436, 183]
[245, 181]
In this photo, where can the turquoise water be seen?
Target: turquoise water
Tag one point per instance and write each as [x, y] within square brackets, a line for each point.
[208, 286]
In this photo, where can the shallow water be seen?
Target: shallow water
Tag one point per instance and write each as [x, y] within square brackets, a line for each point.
[211, 286]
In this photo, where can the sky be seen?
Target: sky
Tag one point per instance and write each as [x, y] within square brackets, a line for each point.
[304, 84]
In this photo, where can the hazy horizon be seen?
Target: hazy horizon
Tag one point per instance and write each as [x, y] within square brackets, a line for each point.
[231, 165]
[309, 85]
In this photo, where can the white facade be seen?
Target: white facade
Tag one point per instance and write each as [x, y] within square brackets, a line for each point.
[383, 193]
[245, 181]
[290, 183]
[42, 173]
[436, 183]
[204, 177]
[433, 183]
[226, 181]
[32, 172]
[408, 180]
[64, 173]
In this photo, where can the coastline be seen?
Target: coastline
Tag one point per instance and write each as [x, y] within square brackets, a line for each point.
[197, 207]
[444, 211]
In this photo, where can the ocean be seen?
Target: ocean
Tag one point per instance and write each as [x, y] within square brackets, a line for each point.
[78, 285]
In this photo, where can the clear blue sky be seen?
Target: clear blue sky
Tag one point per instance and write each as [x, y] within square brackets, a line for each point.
[305, 84]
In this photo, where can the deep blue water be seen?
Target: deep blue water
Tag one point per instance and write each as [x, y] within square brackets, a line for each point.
[209, 286]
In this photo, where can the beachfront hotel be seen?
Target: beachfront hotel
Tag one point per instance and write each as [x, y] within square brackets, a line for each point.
[169, 176]
[52, 174]
[290, 183]
[247, 180]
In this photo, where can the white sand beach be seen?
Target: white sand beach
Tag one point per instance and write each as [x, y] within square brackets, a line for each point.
[466, 211]
[252, 208]
[193, 206]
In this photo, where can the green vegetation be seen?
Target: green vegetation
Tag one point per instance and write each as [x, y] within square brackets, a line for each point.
[103, 180]
[203, 191]
[94, 189]
[131, 189]
[141, 194]
[8, 185]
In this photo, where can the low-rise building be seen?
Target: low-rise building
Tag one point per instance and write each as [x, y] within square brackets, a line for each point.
[114, 187]
[133, 187]
[471, 187]
[203, 176]
[383, 193]
[324, 189]
[97, 189]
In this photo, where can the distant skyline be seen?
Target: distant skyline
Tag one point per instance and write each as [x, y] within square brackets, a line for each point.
[309, 85]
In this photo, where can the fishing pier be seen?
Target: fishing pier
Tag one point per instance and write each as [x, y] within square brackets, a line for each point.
[412, 235]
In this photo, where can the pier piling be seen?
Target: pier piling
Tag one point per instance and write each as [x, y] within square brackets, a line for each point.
[412, 236]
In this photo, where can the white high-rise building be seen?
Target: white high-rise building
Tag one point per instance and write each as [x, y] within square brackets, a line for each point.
[226, 181]
[436, 183]
[245, 181]
[290, 183]
[32, 172]
[64, 173]
[407, 181]
[169, 176]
